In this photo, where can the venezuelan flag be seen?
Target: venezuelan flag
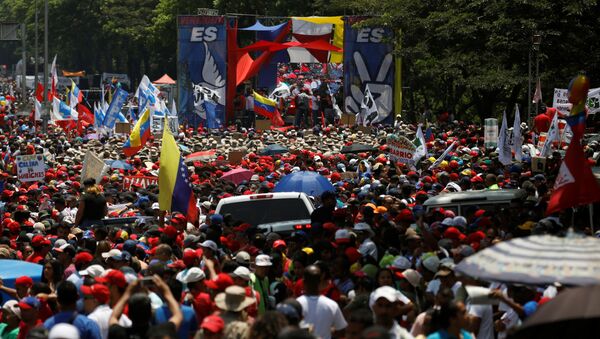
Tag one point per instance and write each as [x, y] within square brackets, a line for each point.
[264, 106]
[268, 109]
[75, 96]
[139, 135]
[175, 190]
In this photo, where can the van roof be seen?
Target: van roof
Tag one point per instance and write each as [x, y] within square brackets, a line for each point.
[242, 198]
[482, 195]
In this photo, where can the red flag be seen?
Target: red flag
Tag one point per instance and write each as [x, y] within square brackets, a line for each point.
[39, 92]
[276, 119]
[85, 114]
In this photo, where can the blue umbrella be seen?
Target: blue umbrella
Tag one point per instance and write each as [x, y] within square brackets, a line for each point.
[10, 270]
[273, 149]
[118, 164]
[311, 183]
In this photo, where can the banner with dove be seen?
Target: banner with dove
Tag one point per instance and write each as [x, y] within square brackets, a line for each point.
[368, 60]
[202, 67]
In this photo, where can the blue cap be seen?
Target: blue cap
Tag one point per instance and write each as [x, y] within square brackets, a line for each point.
[216, 219]
[29, 303]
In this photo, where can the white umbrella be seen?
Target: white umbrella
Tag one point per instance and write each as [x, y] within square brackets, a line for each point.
[537, 260]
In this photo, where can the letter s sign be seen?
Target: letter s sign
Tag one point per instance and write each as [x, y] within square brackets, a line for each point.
[200, 34]
[374, 35]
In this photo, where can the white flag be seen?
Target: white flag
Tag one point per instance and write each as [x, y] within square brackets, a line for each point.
[368, 108]
[537, 96]
[281, 91]
[550, 137]
[421, 150]
[173, 109]
[517, 137]
[504, 152]
[38, 110]
[54, 75]
[443, 156]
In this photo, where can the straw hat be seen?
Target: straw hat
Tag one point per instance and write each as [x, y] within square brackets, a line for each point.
[234, 299]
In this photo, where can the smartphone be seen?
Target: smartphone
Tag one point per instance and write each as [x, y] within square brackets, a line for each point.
[146, 281]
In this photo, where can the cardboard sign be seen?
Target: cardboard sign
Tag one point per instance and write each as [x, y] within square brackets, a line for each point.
[538, 164]
[122, 127]
[143, 181]
[93, 167]
[31, 167]
[401, 149]
[490, 133]
[262, 125]
[235, 157]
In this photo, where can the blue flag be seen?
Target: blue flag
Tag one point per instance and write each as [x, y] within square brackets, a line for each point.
[114, 109]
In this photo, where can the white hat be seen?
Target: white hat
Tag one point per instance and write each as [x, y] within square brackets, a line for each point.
[263, 260]
[112, 253]
[242, 257]
[432, 264]
[155, 206]
[363, 227]
[63, 331]
[387, 292]
[241, 272]
[412, 276]
[206, 204]
[93, 271]
[448, 222]
[401, 263]
[38, 226]
[254, 177]
[58, 243]
[460, 221]
[12, 306]
[194, 274]
[209, 244]
[342, 234]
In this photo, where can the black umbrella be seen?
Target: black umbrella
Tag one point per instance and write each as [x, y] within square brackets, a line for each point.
[357, 148]
[574, 313]
[273, 149]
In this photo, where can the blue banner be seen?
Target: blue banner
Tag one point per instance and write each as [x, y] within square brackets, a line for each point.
[368, 60]
[201, 69]
[114, 109]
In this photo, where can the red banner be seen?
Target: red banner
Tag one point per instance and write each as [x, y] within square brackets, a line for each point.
[142, 181]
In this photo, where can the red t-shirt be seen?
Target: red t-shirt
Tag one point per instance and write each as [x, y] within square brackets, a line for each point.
[35, 258]
[202, 305]
[24, 329]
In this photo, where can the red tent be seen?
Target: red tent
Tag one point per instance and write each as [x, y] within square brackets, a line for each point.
[165, 80]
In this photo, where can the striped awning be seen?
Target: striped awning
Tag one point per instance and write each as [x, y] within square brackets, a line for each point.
[537, 260]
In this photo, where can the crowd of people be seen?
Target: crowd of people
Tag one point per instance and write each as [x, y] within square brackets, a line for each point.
[374, 263]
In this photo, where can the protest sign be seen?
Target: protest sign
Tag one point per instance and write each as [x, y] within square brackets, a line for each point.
[490, 133]
[538, 164]
[93, 167]
[142, 181]
[401, 149]
[560, 101]
[31, 167]
[122, 128]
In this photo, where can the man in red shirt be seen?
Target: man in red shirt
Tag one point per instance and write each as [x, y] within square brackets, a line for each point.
[40, 246]
[197, 296]
[29, 316]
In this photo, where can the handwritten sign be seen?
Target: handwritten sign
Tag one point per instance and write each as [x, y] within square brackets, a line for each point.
[31, 167]
[401, 149]
[142, 181]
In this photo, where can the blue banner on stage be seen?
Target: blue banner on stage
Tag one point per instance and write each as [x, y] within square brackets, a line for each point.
[114, 109]
[202, 69]
[368, 60]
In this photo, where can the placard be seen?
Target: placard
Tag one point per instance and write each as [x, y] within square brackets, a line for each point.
[542, 140]
[401, 149]
[490, 133]
[31, 167]
[538, 164]
[122, 127]
[235, 157]
[143, 181]
[93, 167]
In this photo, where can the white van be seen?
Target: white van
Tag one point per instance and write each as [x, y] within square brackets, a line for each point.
[489, 200]
[270, 212]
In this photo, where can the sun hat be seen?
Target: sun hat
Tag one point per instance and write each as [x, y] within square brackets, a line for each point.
[234, 299]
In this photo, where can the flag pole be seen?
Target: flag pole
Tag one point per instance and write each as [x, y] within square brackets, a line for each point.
[591, 212]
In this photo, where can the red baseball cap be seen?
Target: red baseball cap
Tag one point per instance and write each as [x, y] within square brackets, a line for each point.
[24, 281]
[83, 257]
[189, 256]
[279, 243]
[98, 291]
[39, 241]
[113, 277]
[453, 233]
[221, 283]
[213, 324]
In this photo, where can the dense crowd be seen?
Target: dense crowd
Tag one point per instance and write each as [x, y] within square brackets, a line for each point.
[374, 263]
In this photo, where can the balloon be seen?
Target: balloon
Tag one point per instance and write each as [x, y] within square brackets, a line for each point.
[578, 89]
[2, 102]
[2, 98]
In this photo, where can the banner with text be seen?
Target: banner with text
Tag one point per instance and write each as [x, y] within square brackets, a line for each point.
[560, 101]
[31, 167]
[368, 60]
[401, 149]
[142, 182]
[201, 69]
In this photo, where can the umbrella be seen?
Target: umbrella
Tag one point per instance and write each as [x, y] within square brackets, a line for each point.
[357, 148]
[574, 313]
[202, 156]
[537, 260]
[237, 175]
[311, 183]
[273, 149]
[10, 270]
[118, 164]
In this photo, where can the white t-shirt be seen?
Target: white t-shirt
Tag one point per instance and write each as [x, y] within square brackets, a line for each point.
[323, 314]
[101, 316]
[485, 313]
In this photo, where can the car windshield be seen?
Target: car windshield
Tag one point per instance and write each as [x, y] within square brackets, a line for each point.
[265, 211]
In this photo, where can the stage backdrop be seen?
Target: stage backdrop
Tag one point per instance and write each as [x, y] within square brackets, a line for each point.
[202, 70]
[368, 60]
